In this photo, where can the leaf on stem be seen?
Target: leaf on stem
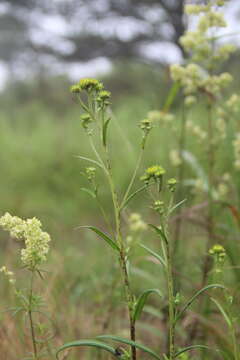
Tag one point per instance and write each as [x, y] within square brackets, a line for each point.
[141, 302]
[90, 192]
[124, 204]
[131, 343]
[223, 312]
[91, 343]
[153, 253]
[192, 347]
[90, 160]
[160, 232]
[172, 95]
[177, 205]
[195, 296]
[104, 131]
[110, 242]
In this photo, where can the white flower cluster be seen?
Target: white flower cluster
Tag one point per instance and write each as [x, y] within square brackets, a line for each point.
[192, 77]
[136, 223]
[8, 274]
[196, 130]
[236, 146]
[175, 157]
[36, 241]
[162, 117]
[233, 103]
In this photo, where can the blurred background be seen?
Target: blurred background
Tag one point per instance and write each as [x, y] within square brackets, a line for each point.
[45, 46]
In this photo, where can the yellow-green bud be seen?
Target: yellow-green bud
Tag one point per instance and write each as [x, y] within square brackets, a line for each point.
[90, 85]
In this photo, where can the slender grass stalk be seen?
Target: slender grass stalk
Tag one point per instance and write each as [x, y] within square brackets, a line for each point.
[181, 174]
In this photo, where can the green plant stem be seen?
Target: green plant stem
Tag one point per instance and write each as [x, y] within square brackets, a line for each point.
[170, 285]
[31, 318]
[178, 227]
[206, 263]
[133, 177]
[122, 254]
[171, 307]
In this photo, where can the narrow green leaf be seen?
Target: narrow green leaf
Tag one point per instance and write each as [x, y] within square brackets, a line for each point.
[223, 312]
[131, 343]
[195, 296]
[153, 253]
[90, 160]
[91, 343]
[88, 191]
[142, 300]
[104, 131]
[103, 236]
[160, 232]
[132, 196]
[177, 205]
[192, 347]
[165, 357]
[171, 95]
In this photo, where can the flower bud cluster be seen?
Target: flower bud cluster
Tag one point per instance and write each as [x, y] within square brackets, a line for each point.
[219, 254]
[154, 172]
[36, 241]
[172, 183]
[88, 85]
[97, 96]
[158, 206]
[90, 172]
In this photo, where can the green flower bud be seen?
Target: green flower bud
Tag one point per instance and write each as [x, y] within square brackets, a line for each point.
[90, 85]
[172, 184]
[75, 89]
[86, 119]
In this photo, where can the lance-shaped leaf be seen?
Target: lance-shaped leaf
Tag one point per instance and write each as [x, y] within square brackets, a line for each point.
[192, 347]
[90, 160]
[92, 343]
[104, 131]
[223, 312]
[131, 343]
[171, 95]
[141, 302]
[159, 232]
[195, 296]
[153, 253]
[130, 197]
[89, 192]
[103, 236]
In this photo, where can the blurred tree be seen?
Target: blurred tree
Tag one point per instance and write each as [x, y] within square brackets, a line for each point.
[80, 30]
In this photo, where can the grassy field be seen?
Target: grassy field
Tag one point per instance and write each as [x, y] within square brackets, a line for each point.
[41, 175]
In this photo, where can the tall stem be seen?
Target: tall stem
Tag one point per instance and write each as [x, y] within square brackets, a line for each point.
[171, 307]
[177, 234]
[122, 255]
[30, 316]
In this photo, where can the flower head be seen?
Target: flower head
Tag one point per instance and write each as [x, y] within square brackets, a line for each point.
[36, 241]
[90, 85]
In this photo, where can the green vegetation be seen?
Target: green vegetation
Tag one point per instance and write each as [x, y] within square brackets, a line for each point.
[140, 193]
